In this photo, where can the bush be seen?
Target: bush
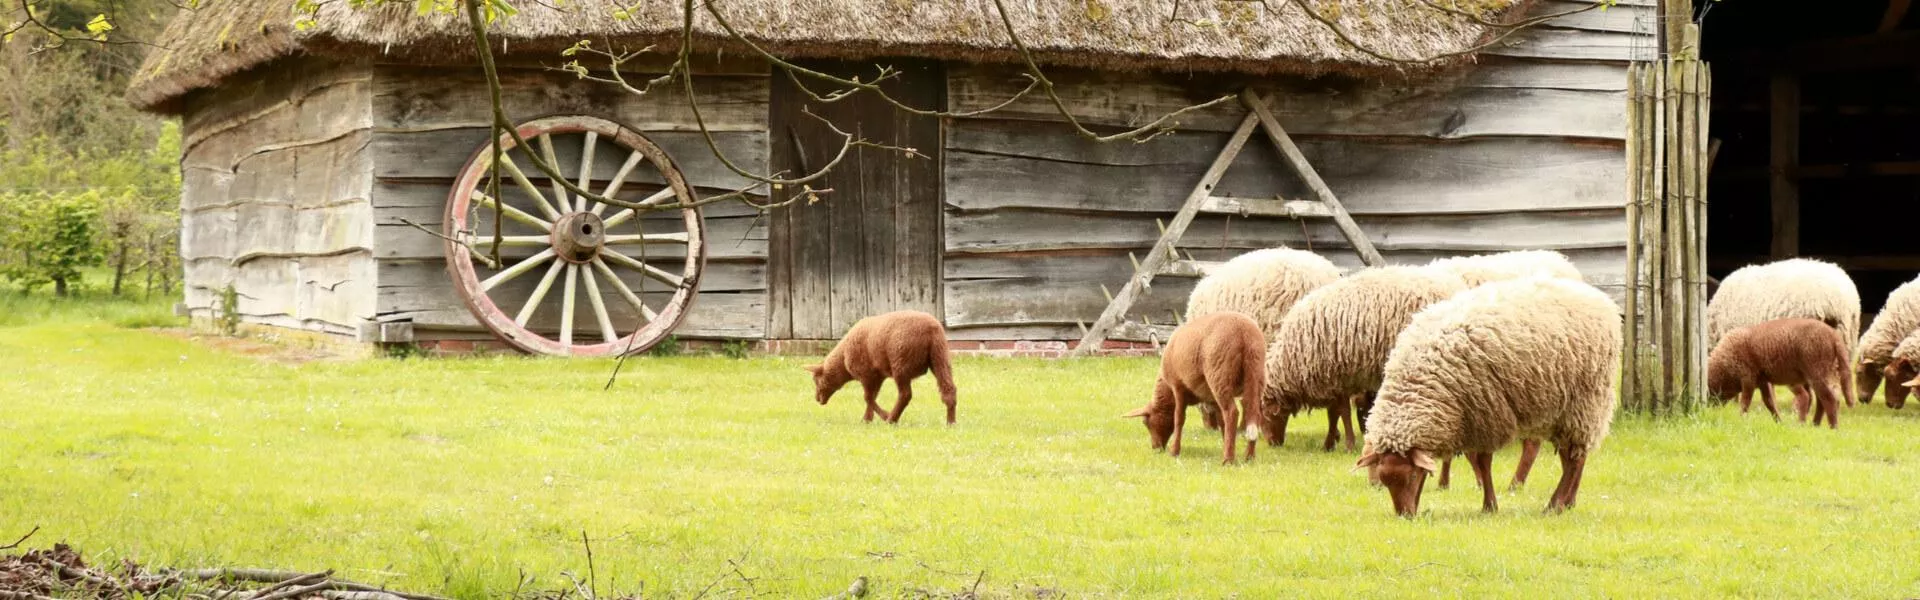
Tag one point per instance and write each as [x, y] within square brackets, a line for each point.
[49, 238]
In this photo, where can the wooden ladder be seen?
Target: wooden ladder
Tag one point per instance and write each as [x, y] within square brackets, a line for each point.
[1163, 261]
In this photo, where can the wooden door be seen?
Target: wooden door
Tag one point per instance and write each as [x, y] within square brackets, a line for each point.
[873, 244]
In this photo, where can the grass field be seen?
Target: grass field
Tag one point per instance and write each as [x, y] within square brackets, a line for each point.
[710, 475]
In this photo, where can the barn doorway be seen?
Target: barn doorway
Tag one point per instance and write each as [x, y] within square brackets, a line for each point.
[1817, 109]
[874, 244]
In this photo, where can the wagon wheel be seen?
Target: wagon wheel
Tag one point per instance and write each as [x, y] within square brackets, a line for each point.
[639, 269]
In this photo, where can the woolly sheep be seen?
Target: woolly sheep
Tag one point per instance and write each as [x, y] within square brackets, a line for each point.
[900, 345]
[1902, 371]
[1331, 348]
[1262, 284]
[1804, 353]
[1209, 360]
[1487, 268]
[1897, 319]
[1536, 357]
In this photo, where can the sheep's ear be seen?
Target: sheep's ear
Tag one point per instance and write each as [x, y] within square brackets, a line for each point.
[1368, 457]
[1423, 460]
[1138, 412]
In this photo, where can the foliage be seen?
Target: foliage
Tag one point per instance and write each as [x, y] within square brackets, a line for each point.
[668, 346]
[48, 238]
[227, 314]
[86, 308]
[737, 349]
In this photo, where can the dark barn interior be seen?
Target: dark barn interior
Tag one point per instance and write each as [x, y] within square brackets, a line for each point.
[1817, 110]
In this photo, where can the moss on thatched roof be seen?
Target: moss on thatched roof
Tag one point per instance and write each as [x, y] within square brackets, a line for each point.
[1250, 36]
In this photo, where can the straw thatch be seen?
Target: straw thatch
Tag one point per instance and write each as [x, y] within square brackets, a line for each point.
[1250, 36]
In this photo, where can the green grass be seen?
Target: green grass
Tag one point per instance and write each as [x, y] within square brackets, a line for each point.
[455, 476]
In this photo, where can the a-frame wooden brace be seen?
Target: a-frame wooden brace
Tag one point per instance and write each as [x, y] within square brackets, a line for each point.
[1163, 260]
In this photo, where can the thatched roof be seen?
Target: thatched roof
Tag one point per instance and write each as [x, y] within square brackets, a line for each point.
[1251, 36]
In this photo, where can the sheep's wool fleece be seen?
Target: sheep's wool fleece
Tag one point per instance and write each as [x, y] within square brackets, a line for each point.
[1334, 343]
[1909, 348]
[1535, 357]
[1262, 284]
[1899, 318]
[1787, 289]
[1487, 268]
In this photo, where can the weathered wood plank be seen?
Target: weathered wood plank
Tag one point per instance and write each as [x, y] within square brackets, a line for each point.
[1440, 109]
[1290, 154]
[441, 153]
[337, 290]
[734, 230]
[1004, 164]
[416, 98]
[1011, 231]
[263, 93]
[1496, 71]
[1264, 207]
[335, 113]
[1573, 44]
[1619, 18]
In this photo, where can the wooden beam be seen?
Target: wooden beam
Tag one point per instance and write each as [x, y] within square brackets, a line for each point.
[1894, 168]
[1188, 268]
[1896, 12]
[1290, 152]
[1785, 127]
[1858, 53]
[1264, 207]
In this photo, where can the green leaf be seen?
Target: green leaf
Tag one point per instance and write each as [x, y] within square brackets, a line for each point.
[422, 7]
[99, 27]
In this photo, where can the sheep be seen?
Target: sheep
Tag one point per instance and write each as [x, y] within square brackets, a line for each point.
[1211, 359]
[1792, 288]
[1804, 353]
[901, 345]
[1536, 357]
[1481, 269]
[1897, 319]
[1262, 284]
[1904, 367]
[1330, 349]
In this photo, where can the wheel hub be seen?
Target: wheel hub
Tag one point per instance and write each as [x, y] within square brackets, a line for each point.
[578, 237]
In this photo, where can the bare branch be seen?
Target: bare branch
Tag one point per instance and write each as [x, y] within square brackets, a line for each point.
[492, 261]
[22, 540]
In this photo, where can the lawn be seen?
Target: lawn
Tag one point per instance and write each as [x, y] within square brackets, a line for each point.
[720, 476]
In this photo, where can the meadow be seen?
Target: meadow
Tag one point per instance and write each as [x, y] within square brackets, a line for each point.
[706, 476]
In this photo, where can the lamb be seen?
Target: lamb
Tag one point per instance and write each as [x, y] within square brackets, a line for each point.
[1487, 268]
[901, 345]
[1804, 353]
[1793, 288]
[1209, 360]
[1904, 367]
[1897, 319]
[1332, 347]
[1536, 357]
[1262, 284]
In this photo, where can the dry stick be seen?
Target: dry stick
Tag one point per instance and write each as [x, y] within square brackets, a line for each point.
[302, 580]
[270, 576]
[492, 262]
[593, 577]
[295, 592]
[22, 540]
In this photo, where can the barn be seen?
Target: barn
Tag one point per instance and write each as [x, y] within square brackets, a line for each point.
[327, 165]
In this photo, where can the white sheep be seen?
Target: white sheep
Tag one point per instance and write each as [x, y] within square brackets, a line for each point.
[1262, 284]
[1796, 288]
[1481, 269]
[1331, 348]
[1536, 358]
[1897, 319]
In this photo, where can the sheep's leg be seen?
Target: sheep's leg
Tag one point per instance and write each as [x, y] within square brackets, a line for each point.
[1333, 429]
[1446, 472]
[905, 385]
[1278, 434]
[1179, 420]
[1766, 399]
[1483, 470]
[1364, 406]
[1746, 401]
[1229, 417]
[1529, 449]
[1830, 405]
[1346, 418]
[872, 389]
[1801, 402]
[1570, 470]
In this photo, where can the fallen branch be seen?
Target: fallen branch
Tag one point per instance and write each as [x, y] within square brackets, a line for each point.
[270, 576]
[22, 540]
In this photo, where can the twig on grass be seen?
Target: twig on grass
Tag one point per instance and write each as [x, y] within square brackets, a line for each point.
[22, 540]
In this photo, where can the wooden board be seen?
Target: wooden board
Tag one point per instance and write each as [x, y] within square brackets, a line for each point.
[420, 98]
[441, 153]
[1620, 18]
[714, 315]
[734, 230]
[1013, 231]
[1574, 44]
[1005, 164]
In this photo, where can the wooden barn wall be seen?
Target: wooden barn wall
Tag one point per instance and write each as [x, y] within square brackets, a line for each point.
[274, 196]
[429, 120]
[1525, 150]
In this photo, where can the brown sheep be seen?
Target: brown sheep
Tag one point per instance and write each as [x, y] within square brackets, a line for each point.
[1793, 352]
[900, 345]
[1905, 367]
[1210, 360]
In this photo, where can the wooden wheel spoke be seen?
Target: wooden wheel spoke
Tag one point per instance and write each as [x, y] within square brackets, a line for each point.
[514, 240]
[517, 269]
[560, 197]
[649, 238]
[644, 268]
[624, 215]
[626, 293]
[520, 177]
[586, 166]
[511, 212]
[599, 307]
[619, 180]
[566, 305]
[539, 293]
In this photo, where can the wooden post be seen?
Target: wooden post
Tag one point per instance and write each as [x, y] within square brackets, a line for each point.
[1631, 364]
[1292, 156]
[1786, 159]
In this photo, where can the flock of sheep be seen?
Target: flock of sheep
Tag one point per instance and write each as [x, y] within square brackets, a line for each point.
[1460, 356]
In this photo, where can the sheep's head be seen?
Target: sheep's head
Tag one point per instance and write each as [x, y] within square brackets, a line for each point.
[1159, 424]
[1722, 383]
[824, 383]
[1404, 474]
[1867, 380]
[1899, 371]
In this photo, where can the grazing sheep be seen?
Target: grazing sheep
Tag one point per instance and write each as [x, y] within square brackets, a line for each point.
[1903, 369]
[1331, 348]
[1262, 284]
[1792, 288]
[1897, 319]
[1804, 353]
[900, 345]
[1209, 360]
[1482, 269]
[1535, 358]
